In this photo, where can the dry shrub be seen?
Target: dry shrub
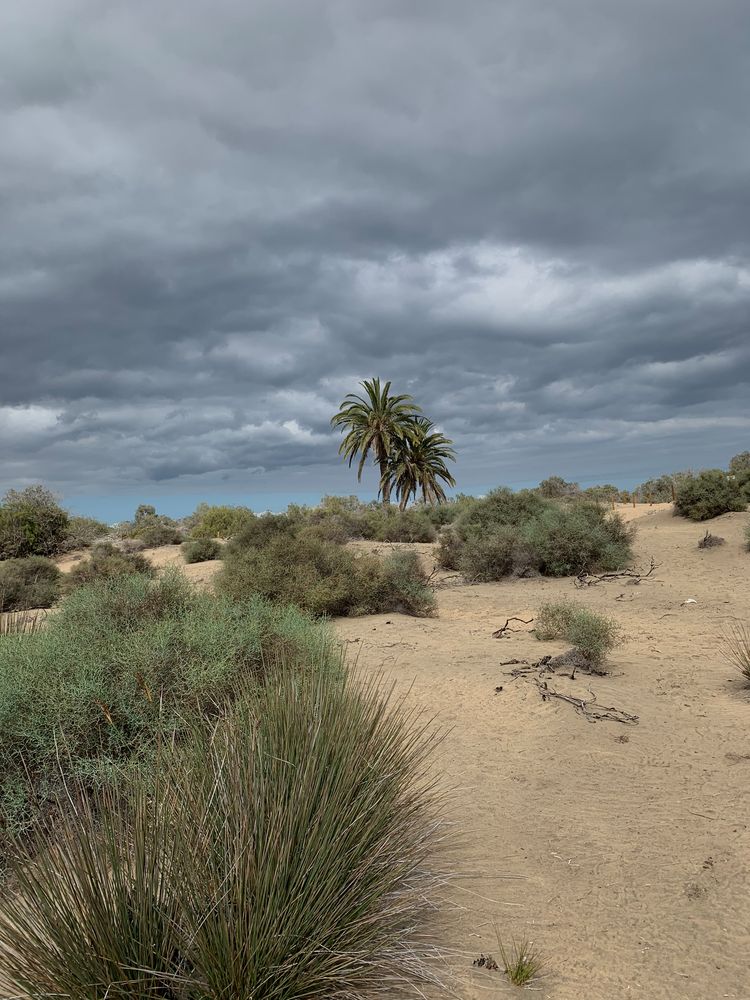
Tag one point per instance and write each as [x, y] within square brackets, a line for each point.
[322, 577]
[200, 550]
[287, 852]
[710, 541]
[107, 562]
[33, 582]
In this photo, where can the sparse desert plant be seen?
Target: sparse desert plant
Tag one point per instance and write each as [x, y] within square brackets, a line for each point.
[449, 548]
[710, 541]
[106, 562]
[522, 963]
[736, 648]
[709, 494]
[196, 550]
[151, 528]
[288, 852]
[32, 523]
[593, 635]
[33, 582]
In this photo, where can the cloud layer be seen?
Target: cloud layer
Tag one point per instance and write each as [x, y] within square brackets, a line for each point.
[217, 218]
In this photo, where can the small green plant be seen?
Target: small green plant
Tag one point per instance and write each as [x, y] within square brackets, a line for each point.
[736, 648]
[107, 562]
[593, 635]
[522, 963]
[197, 550]
[33, 582]
[709, 494]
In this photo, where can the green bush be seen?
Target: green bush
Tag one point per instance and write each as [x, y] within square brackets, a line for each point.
[389, 524]
[260, 531]
[33, 582]
[121, 663]
[581, 537]
[555, 488]
[290, 852]
[216, 521]
[151, 528]
[708, 495]
[197, 550]
[492, 555]
[32, 523]
[83, 532]
[322, 577]
[523, 533]
[105, 563]
[594, 636]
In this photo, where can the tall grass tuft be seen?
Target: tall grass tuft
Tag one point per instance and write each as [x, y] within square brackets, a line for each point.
[736, 648]
[288, 851]
[522, 963]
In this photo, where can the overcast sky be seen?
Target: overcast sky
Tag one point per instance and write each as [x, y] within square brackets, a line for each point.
[217, 217]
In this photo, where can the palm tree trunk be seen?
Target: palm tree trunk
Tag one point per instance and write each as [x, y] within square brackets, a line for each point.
[385, 482]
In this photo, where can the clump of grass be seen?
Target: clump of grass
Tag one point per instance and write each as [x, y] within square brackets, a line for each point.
[197, 550]
[33, 582]
[522, 963]
[710, 541]
[287, 851]
[736, 648]
[593, 635]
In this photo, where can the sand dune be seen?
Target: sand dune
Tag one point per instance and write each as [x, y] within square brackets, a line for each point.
[631, 842]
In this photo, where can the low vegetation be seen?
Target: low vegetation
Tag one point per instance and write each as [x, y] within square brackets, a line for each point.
[592, 635]
[277, 559]
[121, 663]
[261, 858]
[83, 532]
[523, 533]
[106, 562]
[196, 550]
[522, 963]
[709, 494]
[33, 582]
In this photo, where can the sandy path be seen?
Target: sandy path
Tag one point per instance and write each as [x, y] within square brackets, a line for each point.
[635, 854]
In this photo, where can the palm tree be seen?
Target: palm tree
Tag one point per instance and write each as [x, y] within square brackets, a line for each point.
[374, 422]
[418, 463]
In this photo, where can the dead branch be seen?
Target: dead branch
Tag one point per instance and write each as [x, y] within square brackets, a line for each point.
[585, 579]
[502, 633]
[588, 708]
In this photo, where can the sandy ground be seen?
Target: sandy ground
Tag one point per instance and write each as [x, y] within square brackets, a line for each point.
[633, 841]
[630, 843]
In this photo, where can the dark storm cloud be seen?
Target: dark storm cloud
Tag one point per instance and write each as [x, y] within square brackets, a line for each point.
[216, 218]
